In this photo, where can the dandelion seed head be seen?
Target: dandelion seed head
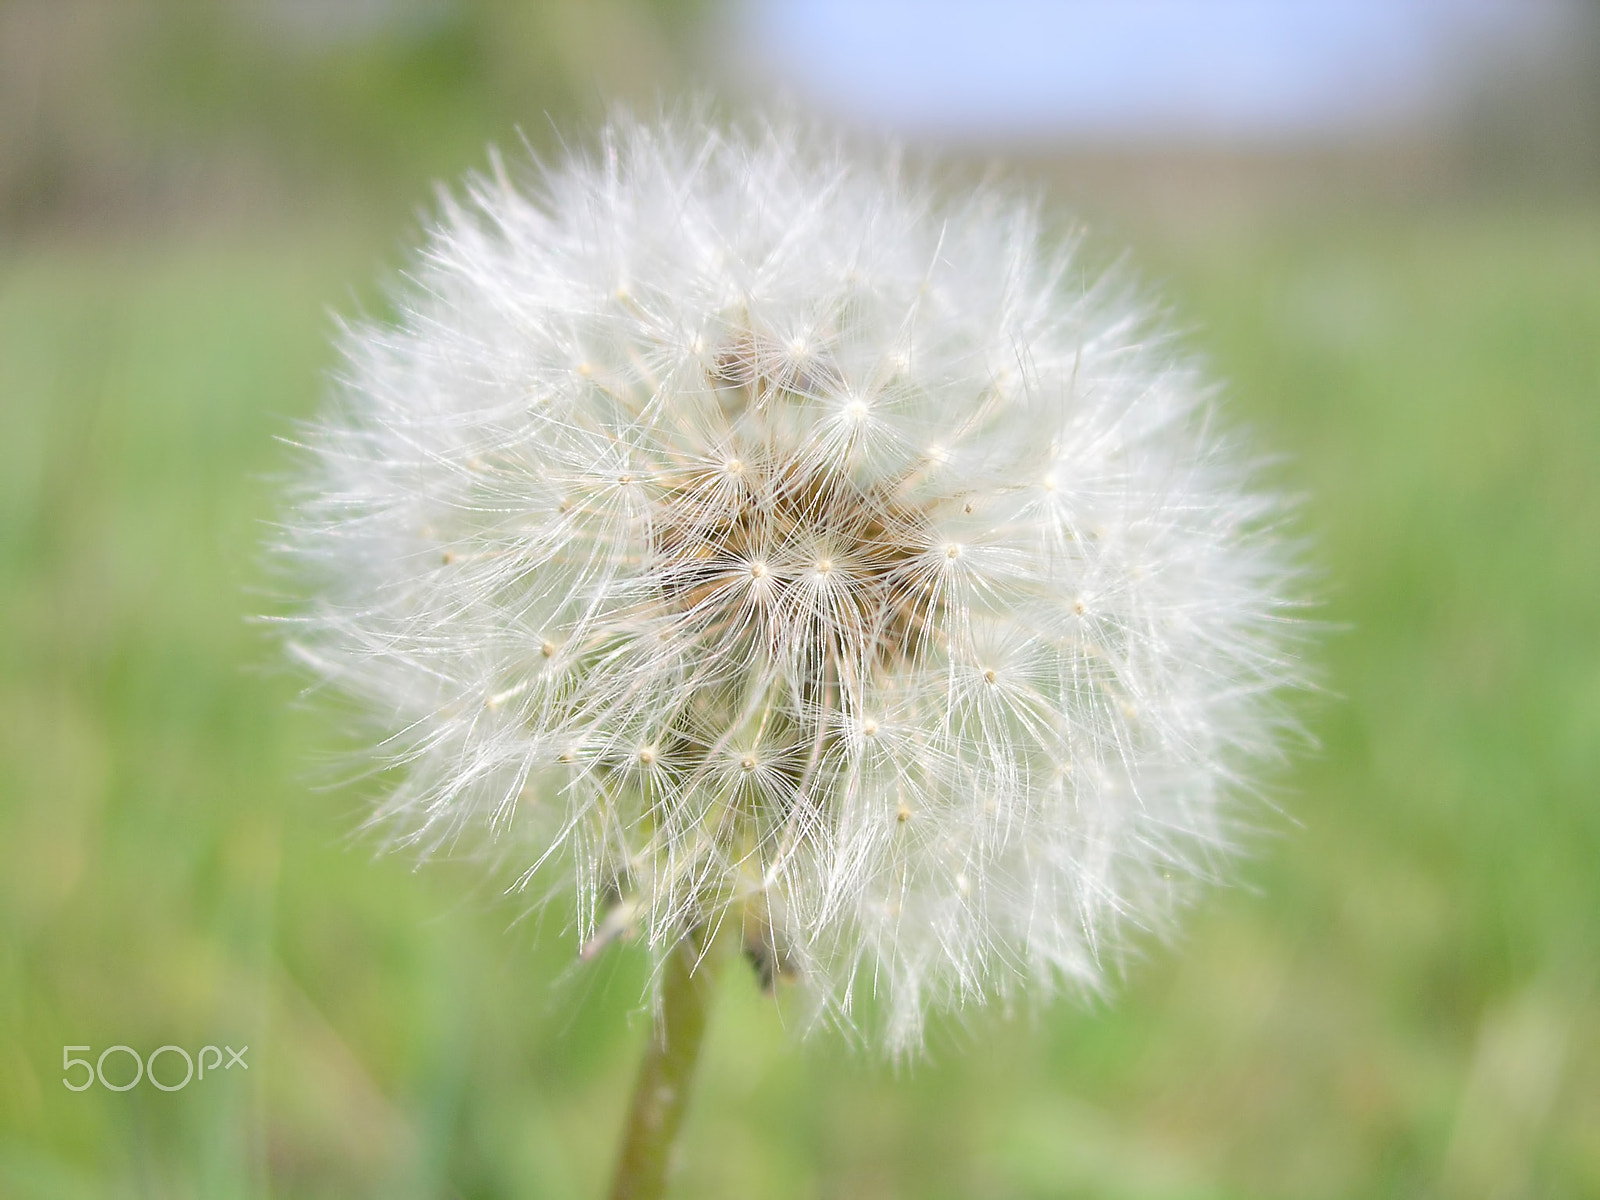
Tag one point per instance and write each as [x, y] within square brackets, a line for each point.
[860, 569]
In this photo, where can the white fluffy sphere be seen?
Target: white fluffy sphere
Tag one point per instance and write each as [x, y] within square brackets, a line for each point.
[743, 535]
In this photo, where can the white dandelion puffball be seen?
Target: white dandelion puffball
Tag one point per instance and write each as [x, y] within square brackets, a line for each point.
[744, 536]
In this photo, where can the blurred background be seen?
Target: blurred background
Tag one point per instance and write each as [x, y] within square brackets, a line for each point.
[1381, 221]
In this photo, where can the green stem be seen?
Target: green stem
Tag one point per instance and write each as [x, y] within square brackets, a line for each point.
[662, 1093]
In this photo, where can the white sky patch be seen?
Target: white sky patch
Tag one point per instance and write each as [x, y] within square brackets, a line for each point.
[1150, 70]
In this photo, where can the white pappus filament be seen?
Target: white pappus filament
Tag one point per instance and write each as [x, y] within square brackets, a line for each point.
[739, 532]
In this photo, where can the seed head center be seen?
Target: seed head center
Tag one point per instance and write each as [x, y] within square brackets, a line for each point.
[791, 522]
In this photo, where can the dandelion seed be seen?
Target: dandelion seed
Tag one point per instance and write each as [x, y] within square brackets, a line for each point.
[769, 634]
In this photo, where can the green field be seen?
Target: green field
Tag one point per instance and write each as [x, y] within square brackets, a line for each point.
[1400, 996]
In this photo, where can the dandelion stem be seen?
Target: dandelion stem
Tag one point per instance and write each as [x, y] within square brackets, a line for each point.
[661, 1095]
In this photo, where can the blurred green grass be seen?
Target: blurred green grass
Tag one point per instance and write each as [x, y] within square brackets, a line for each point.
[1400, 998]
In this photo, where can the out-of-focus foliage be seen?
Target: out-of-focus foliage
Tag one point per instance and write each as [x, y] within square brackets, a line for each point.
[111, 109]
[1403, 1000]
[1534, 123]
